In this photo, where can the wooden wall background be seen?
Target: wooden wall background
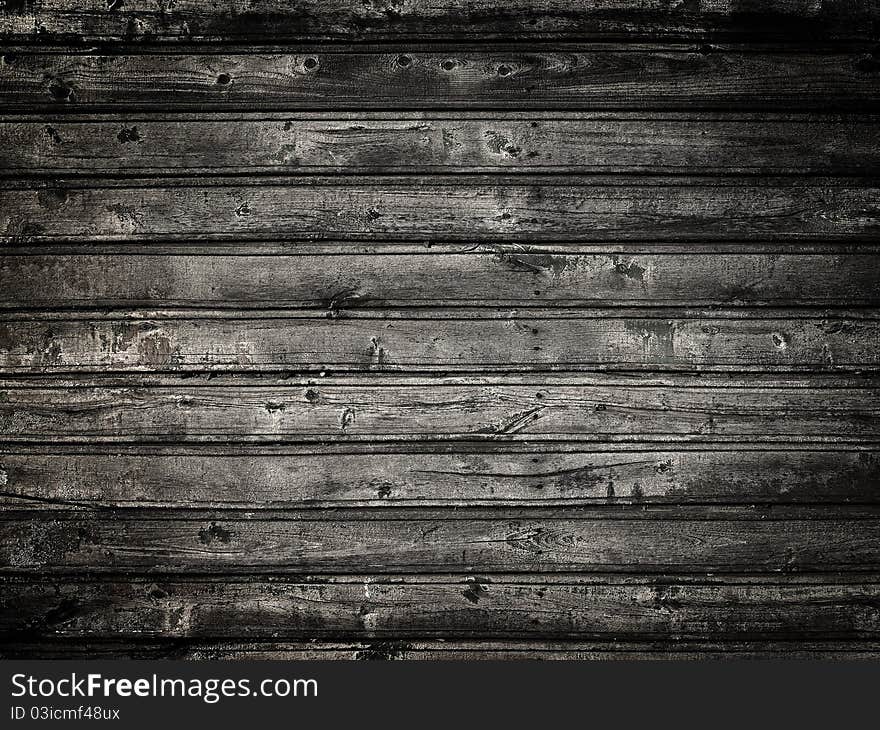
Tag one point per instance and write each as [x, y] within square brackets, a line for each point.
[396, 328]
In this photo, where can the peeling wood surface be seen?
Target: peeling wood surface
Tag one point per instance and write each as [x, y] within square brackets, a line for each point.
[461, 340]
[406, 330]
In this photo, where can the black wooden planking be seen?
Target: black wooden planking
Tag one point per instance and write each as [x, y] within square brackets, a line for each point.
[132, 144]
[577, 77]
[505, 277]
[598, 540]
[140, 21]
[664, 608]
[455, 649]
[324, 413]
[490, 208]
[253, 478]
[426, 340]
[485, 331]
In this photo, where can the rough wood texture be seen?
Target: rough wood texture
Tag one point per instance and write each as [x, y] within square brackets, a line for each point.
[462, 340]
[661, 540]
[576, 209]
[425, 412]
[506, 277]
[417, 143]
[285, 477]
[408, 329]
[433, 607]
[462, 650]
[137, 21]
[460, 77]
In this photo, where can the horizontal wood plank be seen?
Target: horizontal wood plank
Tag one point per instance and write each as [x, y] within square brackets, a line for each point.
[446, 649]
[327, 478]
[506, 277]
[580, 77]
[190, 20]
[322, 413]
[664, 608]
[664, 540]
[362, 341]
[435, 209]
[586, 143]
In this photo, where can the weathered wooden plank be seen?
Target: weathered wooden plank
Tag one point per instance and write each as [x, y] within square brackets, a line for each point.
[504, 278]
[664, 540]
[473, 412]
[588, 143]
[328, 478]
[570, 209]
[179, 246]
[407, 77]
[447, 649]
[489, 607]
[190, 20]
[363, 341]
[292, 380]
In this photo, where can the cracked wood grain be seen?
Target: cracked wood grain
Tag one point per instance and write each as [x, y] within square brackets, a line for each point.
[458, 412]
[399, 329]
[492, 476]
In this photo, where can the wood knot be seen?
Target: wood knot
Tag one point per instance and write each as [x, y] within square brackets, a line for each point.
[129, 135]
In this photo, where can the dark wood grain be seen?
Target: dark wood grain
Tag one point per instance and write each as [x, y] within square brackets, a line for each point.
[422, 330]
[662, 540]
[324, 413]
[426, 341]
[491, 476]
[137, 21]
[664, 608]
[444, 649]
[581, 77]
[505, 278]
[424, 143]
[496, 209]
